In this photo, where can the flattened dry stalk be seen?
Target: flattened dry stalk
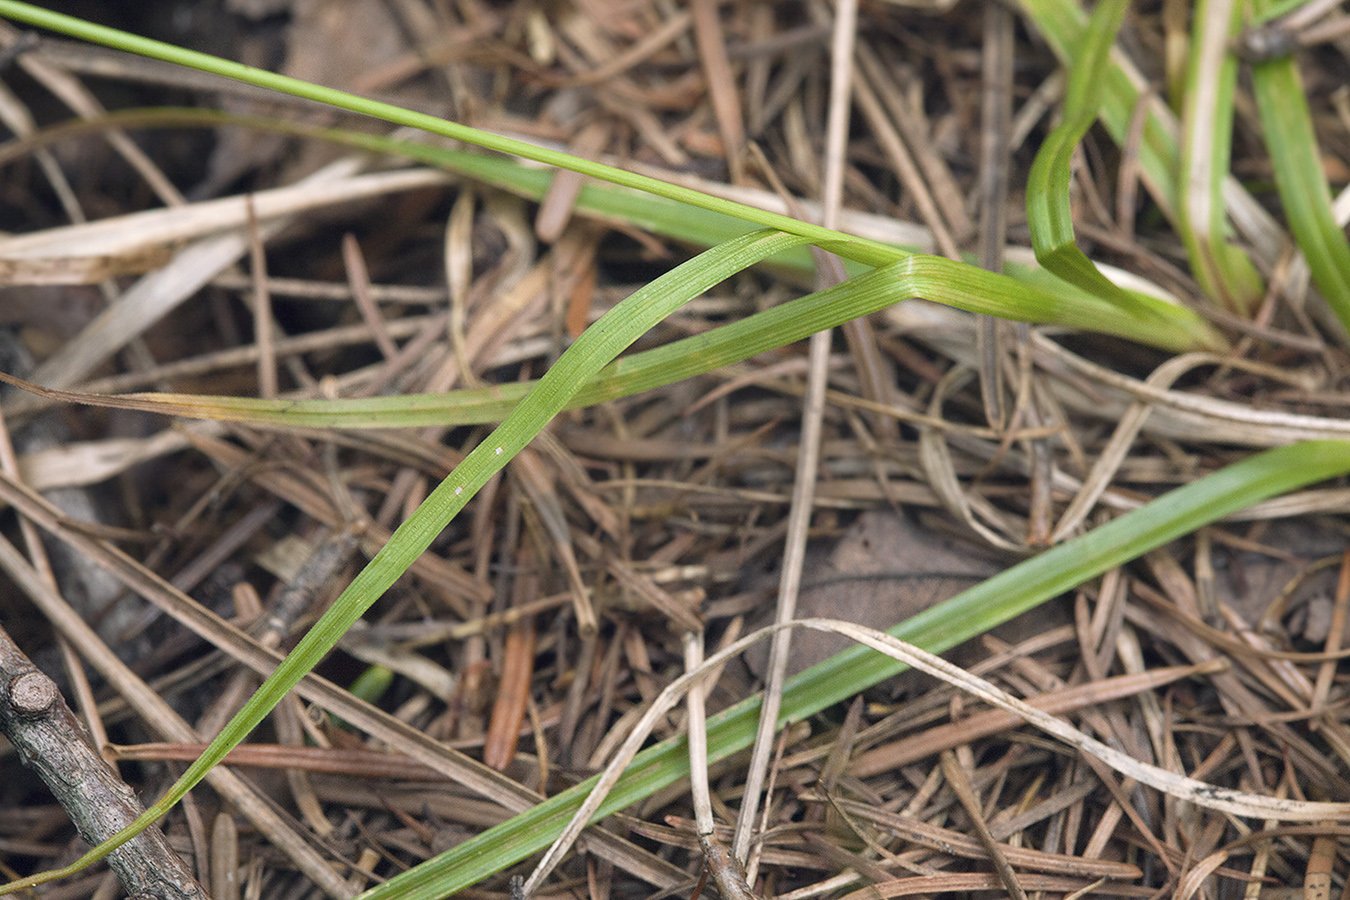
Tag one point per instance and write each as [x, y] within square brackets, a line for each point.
[843, 40]
[959, 782]
[358, 276]
[1178, 413]
[983, 724]
[224, 858]
[995, 113]
[517, 667]
[35, 718]
[726, 100]
[154, 295]
[263, 333]
[725, 868]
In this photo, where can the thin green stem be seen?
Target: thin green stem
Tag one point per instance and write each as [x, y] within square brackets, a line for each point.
[860, 249]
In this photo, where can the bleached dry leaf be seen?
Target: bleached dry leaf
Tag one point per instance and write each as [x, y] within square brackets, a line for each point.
[1238, 803]
[81, 463]
[138, 242]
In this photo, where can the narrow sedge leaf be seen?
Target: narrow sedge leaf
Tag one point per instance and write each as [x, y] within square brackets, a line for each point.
[1049, 210]
[970, 613]
[1221, 267]
[1035, 296]
[1165, 325]
[593, 349]
[1063, 24]
[1286, 124]
[669, 218]
[859, 249]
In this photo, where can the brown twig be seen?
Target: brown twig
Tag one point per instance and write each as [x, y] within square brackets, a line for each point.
[35, 718]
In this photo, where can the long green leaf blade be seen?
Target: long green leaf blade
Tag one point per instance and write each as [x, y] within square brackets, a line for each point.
[1286, 124]
[1049, 210]
[931, 277]
[859, 249]
[1063, 24]
[970, 613]
[593, 349]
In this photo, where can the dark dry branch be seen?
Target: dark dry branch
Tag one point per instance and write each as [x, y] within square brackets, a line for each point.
[51, 741]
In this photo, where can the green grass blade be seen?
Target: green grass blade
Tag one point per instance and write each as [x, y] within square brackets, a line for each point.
[858, 249]
[1222, 268]
[1165, 332]
[593, 349]
[970, 613]
[1286, 124]
[1037, 296]
[1063, 25]
[674, 219]
[1049, 210]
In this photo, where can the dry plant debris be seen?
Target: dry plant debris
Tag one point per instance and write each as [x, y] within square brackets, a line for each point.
[519, 653]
